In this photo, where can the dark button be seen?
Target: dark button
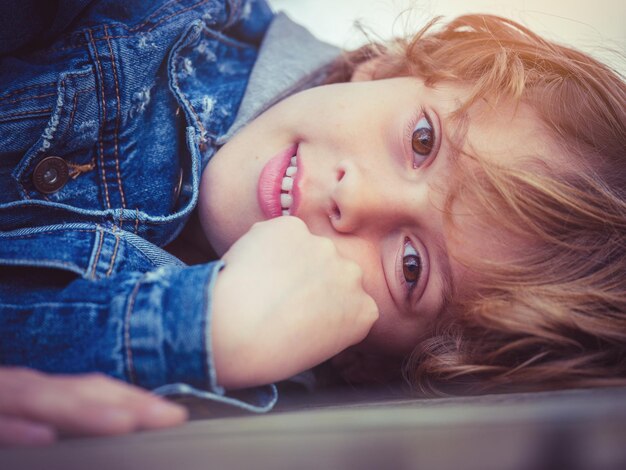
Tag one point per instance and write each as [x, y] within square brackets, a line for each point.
[179, 186]
[50, 175]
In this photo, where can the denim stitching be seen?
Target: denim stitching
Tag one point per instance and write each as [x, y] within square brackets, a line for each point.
[81, 41]
[24, 98]
[75, 105]
[75, 102]
[61, 87]
[117, 122]
[48, 232]
[78, 169]
[19, 90]
[184, 10]
[72, 115]
[147, 19]
[104, 113]
[222, 39]
[60, 263]
[47, 304]
[189, 105]
[31, 112]
[38, 85]
[203, 131]
[95, 262]
[129, 352]
[235, 7]
[117, 242]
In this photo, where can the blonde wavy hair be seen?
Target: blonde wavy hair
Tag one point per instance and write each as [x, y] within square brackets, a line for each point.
[556, 317]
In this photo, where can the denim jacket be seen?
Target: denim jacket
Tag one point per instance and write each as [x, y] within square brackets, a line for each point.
[103, 137]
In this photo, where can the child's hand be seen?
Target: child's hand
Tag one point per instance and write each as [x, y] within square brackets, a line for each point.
[285, 301]
[35, 408]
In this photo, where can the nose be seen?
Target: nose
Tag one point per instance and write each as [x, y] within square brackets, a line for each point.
[363, 198]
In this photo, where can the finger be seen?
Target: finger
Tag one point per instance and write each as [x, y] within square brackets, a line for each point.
[18, 431]
[104, 406]
[150, 411]
[59, 402]
[371, 310]
[90, 404]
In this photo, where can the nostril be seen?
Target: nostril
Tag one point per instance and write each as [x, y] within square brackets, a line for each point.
[335, 212]
[340, 174]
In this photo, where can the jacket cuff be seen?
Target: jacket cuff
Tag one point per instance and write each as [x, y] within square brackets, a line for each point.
[168, 338]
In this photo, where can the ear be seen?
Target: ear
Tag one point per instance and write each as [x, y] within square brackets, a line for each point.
[366, 71]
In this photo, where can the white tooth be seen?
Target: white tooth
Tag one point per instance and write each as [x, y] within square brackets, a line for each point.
[294, 161]
[286, 200]
[287, 184]
[291, 171]
[286, 212]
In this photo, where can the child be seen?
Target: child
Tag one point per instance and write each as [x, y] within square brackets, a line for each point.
[453, 200]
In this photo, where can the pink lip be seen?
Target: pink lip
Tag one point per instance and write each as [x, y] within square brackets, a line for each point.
[270, 181]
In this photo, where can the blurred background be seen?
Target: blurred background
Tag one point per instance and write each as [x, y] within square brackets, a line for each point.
[597, 27]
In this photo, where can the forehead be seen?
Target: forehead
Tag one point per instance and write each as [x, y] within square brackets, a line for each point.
[501, 130]
[501, 134]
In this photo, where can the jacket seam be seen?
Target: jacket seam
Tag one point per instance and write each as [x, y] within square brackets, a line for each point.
[74, 108]
[23, 113]
[48, 232]
[24, 98]
[129, 353]
[117, 123]
[137, 28]
[19, 90]
[56, 262]
[104, 114]
[180, 12]
[114, 256]
[97, 258]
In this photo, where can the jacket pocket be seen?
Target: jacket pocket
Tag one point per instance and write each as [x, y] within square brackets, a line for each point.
[43, 120]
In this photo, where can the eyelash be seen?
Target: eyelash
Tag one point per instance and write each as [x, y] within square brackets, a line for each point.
[410, 129]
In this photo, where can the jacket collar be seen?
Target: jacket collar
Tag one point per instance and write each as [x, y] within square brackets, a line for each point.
[290, 59]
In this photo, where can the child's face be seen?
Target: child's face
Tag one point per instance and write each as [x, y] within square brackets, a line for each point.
[373, 169]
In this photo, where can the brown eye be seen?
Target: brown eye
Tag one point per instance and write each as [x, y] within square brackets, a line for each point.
[411, 268]
[423, 139]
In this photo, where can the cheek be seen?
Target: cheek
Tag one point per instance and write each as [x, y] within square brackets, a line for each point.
[394, 333]
[369, 260]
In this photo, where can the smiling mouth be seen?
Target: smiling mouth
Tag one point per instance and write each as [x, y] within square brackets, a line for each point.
[277, 189]
[286, 198]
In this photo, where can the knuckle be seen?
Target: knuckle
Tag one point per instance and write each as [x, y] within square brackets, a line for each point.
[295, 225]
[256, 226]
[326, 245]
[354, 271]
[360, 335]
[373, 312]
[295, 221]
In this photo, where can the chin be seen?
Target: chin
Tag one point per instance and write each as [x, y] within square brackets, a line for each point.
[221, 235]
[221, 240]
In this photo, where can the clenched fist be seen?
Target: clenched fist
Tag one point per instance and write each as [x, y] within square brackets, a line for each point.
[285, 301]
